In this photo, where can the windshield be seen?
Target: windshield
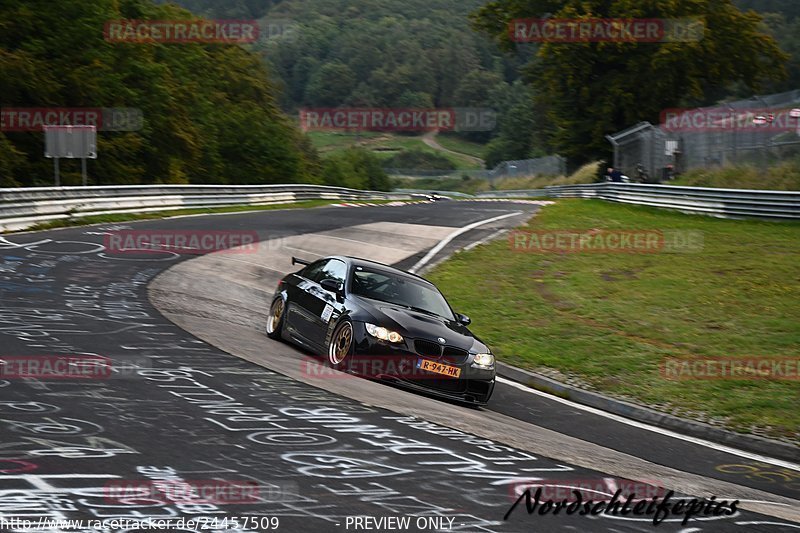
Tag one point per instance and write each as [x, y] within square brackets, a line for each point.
[400, 290]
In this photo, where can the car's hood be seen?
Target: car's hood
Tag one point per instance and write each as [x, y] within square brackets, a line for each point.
[418, 325]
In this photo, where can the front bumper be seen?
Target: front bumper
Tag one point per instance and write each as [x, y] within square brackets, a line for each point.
[376, 359]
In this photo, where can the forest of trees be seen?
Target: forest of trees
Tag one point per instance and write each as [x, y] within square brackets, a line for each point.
[588, 90]
[210, 111]
[210, 114]
[424, 53]
[218, 113]
[788, 8]
[389, 53]
[782, 21]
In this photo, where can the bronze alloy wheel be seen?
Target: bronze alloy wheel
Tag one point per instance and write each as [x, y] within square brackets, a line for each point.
[275, 320]
[341, 344]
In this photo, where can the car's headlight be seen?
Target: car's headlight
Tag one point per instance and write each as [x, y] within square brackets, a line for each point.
[483, 360]
[383, 333]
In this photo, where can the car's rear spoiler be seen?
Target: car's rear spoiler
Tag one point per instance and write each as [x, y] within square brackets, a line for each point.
[295, 261]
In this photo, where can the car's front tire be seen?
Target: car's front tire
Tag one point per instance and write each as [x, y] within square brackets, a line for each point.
[275, 319]
[340, 347]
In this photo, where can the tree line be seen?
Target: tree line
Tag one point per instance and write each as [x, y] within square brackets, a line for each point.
[587, 90]
[210, 111]
[387, 53]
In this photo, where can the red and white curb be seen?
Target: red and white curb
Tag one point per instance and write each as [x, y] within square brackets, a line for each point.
[370, 204]
[532, 202]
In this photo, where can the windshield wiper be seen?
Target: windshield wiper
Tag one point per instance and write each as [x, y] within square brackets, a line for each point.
[421, 310]
[405, 306]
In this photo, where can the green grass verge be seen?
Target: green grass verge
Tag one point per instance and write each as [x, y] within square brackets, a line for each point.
[127, 217]
[457, 144]
[609, 320]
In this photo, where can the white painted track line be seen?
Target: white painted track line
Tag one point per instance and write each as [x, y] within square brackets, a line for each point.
[654, 429]
[438, 248]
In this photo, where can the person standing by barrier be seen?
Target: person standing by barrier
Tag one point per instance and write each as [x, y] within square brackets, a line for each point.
[614, 175]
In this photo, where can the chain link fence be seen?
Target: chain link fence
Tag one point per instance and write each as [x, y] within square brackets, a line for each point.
[762, 130]
[551, 165]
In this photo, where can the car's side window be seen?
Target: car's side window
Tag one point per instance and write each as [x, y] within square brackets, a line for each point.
[334, 269]
[369, 284]
[312, 271]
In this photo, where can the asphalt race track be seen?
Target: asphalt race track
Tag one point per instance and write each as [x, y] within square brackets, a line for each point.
[198, 393]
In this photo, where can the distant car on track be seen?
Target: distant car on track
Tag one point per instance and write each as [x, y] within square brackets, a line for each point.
[436, 197]
[431, 197]
[381, 322]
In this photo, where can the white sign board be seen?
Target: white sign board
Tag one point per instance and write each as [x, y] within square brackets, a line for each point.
[670, 147]
[70, 142]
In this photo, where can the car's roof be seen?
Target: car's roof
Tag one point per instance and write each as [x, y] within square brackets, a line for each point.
[357, 261]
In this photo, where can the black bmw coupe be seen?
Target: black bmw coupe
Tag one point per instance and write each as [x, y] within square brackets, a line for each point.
[380, 322]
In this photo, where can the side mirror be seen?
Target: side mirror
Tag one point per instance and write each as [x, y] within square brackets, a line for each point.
[331, 285]
[463, 319]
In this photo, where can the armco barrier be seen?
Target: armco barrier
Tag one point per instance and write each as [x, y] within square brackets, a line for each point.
[728, 203]
[21, 208]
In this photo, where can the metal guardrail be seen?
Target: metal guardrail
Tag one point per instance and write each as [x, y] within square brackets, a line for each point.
[21, 208]
[729, 203]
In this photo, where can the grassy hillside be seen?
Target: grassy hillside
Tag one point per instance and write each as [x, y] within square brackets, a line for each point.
[383, 145]
[459, 144]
